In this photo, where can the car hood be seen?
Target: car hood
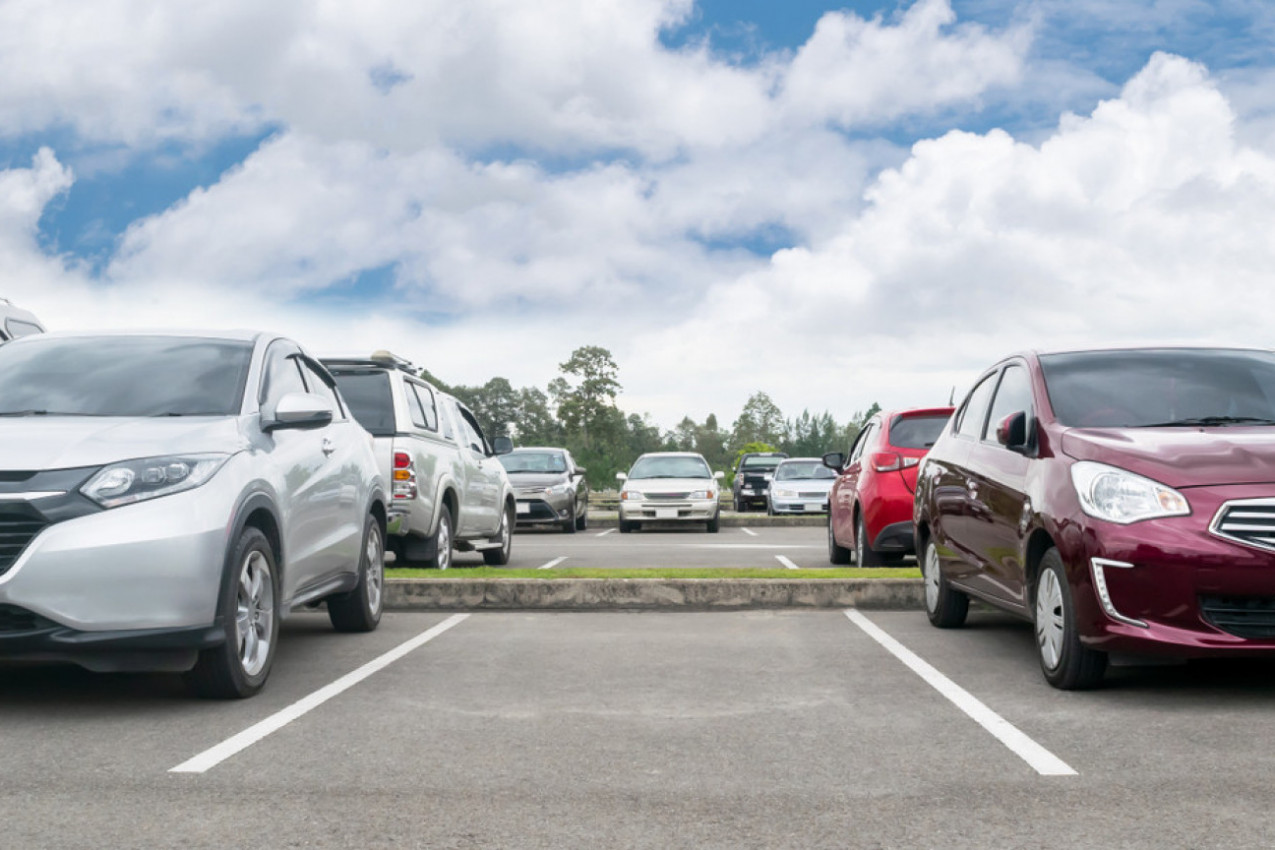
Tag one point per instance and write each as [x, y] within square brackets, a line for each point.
[530, 480]
[66, 442]
[670, 485]
[807, 484]
[1180, 457]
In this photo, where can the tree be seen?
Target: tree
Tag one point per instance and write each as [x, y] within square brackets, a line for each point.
[760, 420]
[586, 409]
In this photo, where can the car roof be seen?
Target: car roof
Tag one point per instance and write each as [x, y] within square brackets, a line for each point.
[672, 454]
[797, 459]
[537, 449]
[235, 334]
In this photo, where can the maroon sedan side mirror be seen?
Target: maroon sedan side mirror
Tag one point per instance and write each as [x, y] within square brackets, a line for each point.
[1011, 432]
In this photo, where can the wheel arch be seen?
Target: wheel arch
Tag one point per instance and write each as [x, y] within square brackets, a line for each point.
[1038, 544]
[257, 511]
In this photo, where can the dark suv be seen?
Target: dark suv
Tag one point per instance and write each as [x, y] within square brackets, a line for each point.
[753, 474]
[1122, 500]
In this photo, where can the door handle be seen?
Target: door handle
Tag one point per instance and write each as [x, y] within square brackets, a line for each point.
[328, 446]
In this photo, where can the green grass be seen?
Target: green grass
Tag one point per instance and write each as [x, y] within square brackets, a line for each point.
[652, 572]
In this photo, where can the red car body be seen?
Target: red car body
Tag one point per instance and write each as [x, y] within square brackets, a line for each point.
[870, 504]
[1001, 502]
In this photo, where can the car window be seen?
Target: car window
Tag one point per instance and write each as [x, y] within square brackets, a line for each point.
[420, 400]
[1012, 396]
[760, 464]
[916, 432]
[805, 470]
[974, 412]
[17, 328]
[281, 376]
[473, 434]
[864, 436]
[368, 394]
[318, 386]
[448, 411]
[534, 462]
[670, 466]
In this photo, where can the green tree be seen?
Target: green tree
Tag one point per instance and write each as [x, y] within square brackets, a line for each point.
[760, 421]
[587, 409]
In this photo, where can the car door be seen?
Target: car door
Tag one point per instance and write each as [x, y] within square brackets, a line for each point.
[581, 485]
[846, 488]
[1001, 478]
[960, 516]
[488, 476]
[344, 443]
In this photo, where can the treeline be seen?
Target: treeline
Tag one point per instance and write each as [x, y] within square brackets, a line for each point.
[577, 410]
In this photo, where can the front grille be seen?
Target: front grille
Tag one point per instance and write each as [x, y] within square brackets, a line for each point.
[666, 497]
[16, 531]
[14, 619]
[1243, 616]
[1251, 522]
[818, 494]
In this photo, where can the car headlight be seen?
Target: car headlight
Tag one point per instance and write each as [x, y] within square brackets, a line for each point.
[783, 494]
[148, 478]
[631, 495]
[1116, 495]
[702, 494]
[558, 489]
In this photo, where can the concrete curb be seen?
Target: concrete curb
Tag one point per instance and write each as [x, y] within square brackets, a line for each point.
[641, 594]
[728, 520]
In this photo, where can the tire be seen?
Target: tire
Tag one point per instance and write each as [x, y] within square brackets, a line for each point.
[500, 557]
[743, 506]
[946, 607]
[360, 609]
[442, 557]
[714, 523]
[582, 521]
[627, 526]
[837, 554]
[737, 507]
[569, 526]
[240, 665]
[864, 554]
[1067, 664]
[770, 508]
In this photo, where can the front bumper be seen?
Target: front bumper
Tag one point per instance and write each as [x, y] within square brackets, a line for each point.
[27, 637]
[685, 510]
[538, 510]
[810, 503]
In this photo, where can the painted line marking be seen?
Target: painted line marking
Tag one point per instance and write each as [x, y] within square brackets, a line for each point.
[742, 546]
[787, 563]
[749, 532]
[216, 755]
[552, 563]
[1042, 760]
[605, 533]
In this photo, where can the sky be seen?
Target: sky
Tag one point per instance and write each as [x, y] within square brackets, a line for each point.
[833, 203]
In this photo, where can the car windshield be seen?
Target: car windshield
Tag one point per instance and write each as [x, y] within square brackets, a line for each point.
[534, 462]
[670, 467]
[123, 376]
[916, 432]
[761, 464]
[370, 399]
[1161, 387]
[804, 470]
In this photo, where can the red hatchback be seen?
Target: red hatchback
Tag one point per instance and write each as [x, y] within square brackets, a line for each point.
[1123, 501]
[870, 505]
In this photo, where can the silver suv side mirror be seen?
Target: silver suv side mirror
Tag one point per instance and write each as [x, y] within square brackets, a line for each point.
[298, 411]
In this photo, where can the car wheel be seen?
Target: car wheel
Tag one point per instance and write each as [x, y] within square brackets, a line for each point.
[569, 525]
[582, 521]
[1066, 662]
[770, 508]
[625, 526]
[944, 605]
[239, 667]
[714, 523]
[442, 557]
[499, 557]
[360, 609]
[837, 554]
[864, 554]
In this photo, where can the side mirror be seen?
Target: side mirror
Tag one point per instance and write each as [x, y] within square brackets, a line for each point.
[719, 475]
[1012, 432]
[298, 411]
[502, 445]
[620, 476]
[835, 461]
[580, 470]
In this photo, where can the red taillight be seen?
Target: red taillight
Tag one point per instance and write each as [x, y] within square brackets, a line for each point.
[404, 476]
[891, 462]
[402, 460]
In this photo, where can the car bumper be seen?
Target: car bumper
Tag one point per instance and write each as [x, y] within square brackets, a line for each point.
[681, 511]
[540, 510]
[1171, 586]
[800, 504]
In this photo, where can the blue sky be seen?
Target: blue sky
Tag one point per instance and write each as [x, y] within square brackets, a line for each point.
[639, 174]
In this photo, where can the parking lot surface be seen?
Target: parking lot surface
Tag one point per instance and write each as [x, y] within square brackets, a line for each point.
[744, 729]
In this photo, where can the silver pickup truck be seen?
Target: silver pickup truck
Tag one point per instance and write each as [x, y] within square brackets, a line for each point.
[449, 490]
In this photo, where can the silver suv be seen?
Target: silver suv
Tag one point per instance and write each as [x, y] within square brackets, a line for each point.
[166, 499]
[16, 322]
[448, 489]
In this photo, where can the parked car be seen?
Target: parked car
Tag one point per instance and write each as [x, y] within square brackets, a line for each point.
[870, 504]
[800, 486]
[16, 322]
[549, 487]
[1121, 500]
[669, 487]
[753, 472]
[166, 499]
[449, 492]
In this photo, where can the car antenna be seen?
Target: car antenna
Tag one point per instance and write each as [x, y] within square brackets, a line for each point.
[951, 399]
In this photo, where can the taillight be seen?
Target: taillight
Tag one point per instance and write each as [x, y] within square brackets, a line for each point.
[404, 476]
[402, 460]
[892, 462]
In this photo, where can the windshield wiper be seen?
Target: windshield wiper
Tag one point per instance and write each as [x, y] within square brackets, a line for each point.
[1211, 420]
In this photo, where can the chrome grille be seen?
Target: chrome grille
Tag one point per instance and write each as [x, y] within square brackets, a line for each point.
[818, 494]
[666, 497]
[16, 531]
[1250, 521]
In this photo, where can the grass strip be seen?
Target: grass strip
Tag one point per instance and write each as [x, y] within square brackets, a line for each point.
[652, 572]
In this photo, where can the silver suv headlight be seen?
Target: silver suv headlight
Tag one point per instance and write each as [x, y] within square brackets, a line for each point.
[1120, 496]
[148, 478]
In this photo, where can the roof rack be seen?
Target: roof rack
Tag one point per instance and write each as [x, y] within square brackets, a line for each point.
[380, 359]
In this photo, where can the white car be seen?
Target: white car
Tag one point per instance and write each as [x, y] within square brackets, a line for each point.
[669, 487]
[800, 486]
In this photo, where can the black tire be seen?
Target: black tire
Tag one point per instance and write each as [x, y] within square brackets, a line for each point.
[742, 506]
[946, 607]
[505, 534]
[864, 554]
[569, 524]
[240, 665]
[770, 508]
[360, 609]
[837, 554]
[582, 521]
[627, 526]
[1067, 663]
[442, 557]
[714, 523]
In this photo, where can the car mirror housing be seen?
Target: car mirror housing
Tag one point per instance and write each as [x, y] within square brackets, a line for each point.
[298, 411]
[719, 475]
[834, 460]
[503, 445]
[1012, 432]
[620, 476]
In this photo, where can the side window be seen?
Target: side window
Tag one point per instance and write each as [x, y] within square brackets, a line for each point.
[1013, 395]
[856, 451]
[973, 413]
[448, 412]
[281, 375]
[314, 381]
[421, 403]
[17, 328]
[473, 434]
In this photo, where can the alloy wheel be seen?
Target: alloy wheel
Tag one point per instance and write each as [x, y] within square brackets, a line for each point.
[254, 614]
[444, 544]
[375, 580]
[930, 571]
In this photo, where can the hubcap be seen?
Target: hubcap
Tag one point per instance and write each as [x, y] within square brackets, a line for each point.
[444, 544]
[506, 537]
[375, 579]
[858, 543]
[254, 614]
[931, 570]
[1050, 619]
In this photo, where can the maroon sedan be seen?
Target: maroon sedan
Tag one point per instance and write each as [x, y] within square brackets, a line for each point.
[1122, 500]
[870, 504]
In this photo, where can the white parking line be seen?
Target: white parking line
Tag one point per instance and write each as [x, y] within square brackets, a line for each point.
[741, 546]
[216, 755]
[749, 532]
[1042, 760]
[787, 563]
[552, 563]
[605, 533]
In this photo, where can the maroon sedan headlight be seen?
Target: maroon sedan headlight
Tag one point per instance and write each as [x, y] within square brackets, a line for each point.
[1117, 495]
